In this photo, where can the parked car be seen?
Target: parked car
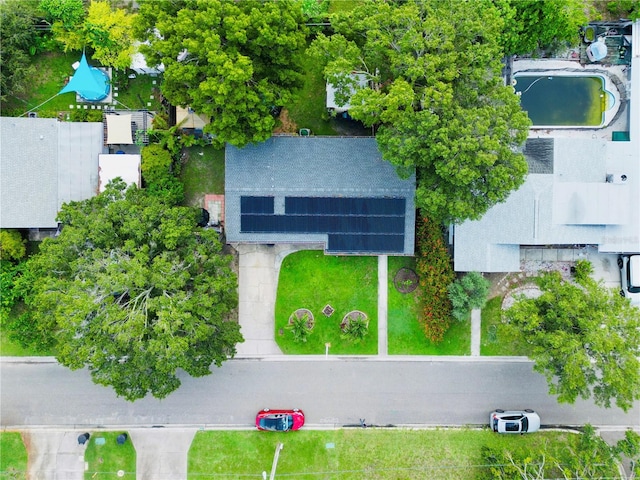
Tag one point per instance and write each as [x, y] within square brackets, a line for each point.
[514, 421]
[630, 277]
[279, 420]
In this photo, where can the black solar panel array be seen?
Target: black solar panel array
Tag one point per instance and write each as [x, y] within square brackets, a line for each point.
[353, 224]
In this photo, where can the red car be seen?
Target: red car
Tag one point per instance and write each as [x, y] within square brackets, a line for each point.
[279, 420]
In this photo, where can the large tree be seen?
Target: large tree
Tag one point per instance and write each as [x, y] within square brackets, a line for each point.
[133, 291]
[436, 92]
[585, 339]
[18, 39]
[235, 62]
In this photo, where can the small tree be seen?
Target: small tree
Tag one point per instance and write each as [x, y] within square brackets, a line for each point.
[299, 328]
[355, 329]
[467, 293]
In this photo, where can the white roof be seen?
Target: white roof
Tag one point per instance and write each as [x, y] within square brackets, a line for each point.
[119, 129]
[125, 166]
[361, 80]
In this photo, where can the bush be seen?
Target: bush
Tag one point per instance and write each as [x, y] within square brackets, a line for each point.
[355, 329]
[583, 271]
[299, 327]
[12, 245]
[156, 163]
[433, 265]
[467, 293]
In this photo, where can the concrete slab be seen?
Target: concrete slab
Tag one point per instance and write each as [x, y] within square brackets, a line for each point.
[383, 268]
[54, 455]
[161, 452]
[550, 255]
[475, 332]
[533, 254]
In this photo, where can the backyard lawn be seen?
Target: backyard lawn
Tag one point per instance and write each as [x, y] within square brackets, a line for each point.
[13, 456]
[405, 333]
[202, 173]
[106, 460]
[310, 279]
[356, 453]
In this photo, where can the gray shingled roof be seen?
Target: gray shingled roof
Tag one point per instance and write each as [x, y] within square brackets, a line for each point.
[311, 167]
[43, 164]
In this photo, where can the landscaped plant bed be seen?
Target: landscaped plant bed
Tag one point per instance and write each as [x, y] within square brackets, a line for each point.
[300, 313]
[352, 317]
[406, 280]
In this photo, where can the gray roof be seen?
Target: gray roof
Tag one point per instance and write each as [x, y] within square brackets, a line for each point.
[310, 167]
[43, 164]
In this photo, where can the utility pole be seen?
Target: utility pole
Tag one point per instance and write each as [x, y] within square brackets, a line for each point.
[275, 461]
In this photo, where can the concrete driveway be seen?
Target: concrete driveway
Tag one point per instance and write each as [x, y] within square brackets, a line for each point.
[259, 266]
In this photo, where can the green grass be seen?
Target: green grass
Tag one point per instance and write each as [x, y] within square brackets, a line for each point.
[106, 460]
[310, 279]
[135, 93]
[357, 453]
[496, 338]
[405, 333]
[13, 456]
[203, 173]
[52, 68]
[308, 108]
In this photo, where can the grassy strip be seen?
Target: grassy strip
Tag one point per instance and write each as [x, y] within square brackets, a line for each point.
[105, 461]
[311, 280]
[356, 454]
[13, 456]
[202, 173]
[496, 337]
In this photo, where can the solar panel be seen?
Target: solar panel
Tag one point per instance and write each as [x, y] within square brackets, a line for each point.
[256, 204]
[353, 224]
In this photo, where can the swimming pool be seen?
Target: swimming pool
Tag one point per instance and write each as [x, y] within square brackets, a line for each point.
[564, 100]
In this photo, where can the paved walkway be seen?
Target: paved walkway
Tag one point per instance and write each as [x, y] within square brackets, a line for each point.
[382, 304]
[475, 332]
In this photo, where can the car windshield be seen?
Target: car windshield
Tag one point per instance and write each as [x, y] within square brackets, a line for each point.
[525, 424]
[279, 423]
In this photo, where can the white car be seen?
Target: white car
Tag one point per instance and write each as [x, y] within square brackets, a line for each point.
[630, 277]
[514, 421]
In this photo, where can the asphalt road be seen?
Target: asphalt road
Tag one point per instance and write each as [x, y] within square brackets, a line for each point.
[331, 392]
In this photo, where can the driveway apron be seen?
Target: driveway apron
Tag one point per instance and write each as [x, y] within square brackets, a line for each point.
[161, 453]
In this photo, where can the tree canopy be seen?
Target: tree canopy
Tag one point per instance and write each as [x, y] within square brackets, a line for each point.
[235, 62]
[108, 31]
[133, 291]
[18, 38]
[585, 340]
[436, 93]
[535, 24]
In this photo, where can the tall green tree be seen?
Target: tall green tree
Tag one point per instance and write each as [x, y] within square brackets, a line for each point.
[133, 291]
[18, 39]
[235, 62]
[585, 339]
[541, 24]
[436, 93]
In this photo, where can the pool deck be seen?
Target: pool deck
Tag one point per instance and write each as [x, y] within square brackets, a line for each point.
[617, 119]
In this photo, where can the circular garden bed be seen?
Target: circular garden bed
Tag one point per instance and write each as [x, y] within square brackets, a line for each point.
[406, 280]
[300, 313]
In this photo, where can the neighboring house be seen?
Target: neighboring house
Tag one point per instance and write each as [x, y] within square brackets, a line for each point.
[43, 164]
[329, 191]
[583, 189]
[359, 80]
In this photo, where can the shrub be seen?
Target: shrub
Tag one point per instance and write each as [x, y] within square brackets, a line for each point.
[12, 245]
[433, 265]
[467, 293]
[583, 271]
[299, 328]
[355, 329]
[156, 163]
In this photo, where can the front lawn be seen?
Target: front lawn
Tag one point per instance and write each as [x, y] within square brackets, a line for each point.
[202, 173]
[13, 456]
[310, 279]
[358, 453]
[405, 332]
[106, 460]
[496, 337]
